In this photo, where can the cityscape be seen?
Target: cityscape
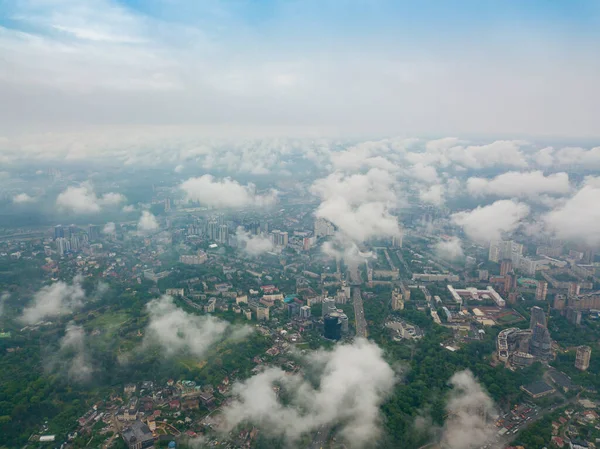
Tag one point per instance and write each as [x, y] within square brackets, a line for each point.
[278, 224]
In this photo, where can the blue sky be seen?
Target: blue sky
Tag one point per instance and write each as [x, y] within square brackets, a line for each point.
[430, 66]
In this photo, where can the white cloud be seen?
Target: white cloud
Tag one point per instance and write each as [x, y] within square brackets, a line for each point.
[22, 198]
[450, 152]
[490, 222]
[365, 154]
[359, 205]
[433, 195]
[147, 222]
[83, 200]
[544, 157]
[499, 153]
[177, 331]
[112, 199]
[55, 300]
[579, 157]
[449, 249]
[73, 347]
[425, 173]
[340, 247]
[109, 228]
[520, 184]
[578, 218]
[128, 208]
[179, 168]
[352, 381]
[470, 413]
[253, 245]
[224, 193]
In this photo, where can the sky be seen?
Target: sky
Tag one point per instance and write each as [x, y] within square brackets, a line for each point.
[360, 67]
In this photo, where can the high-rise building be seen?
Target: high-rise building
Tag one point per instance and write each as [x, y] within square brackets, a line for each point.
[560, 302]
[332, 328]
[588, 256]
[305, 312]
[582, 358]
[540, 344]
[74, 240]
[72, 230]
[541, 291]
[397, 300]
[494, 253]
[574, 289]
[293, 309]
[484, 275]
[59, 232]
[223, 233]
[328, 306]
[63, 245]
[262, 313]
[279, 238]
[505, 249]
[505, 267]
[212, 229]
[405, 292]
[397, 241]
[323, 228]
[537, 317]
[508, 283]
[93, 232]
[344, 323]
[573, 316]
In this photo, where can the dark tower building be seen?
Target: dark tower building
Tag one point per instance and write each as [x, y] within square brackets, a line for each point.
[540, 344]
[537, 317]
[93, 232]
[59, 232]
[333, 327]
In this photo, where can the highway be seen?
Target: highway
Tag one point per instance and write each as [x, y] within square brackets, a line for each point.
[321, 438]
[359, 313]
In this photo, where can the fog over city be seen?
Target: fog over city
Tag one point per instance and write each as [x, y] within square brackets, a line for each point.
[317, 224]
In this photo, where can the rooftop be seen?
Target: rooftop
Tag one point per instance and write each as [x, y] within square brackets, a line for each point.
[538, 387]
[561, 379]
[137, 432]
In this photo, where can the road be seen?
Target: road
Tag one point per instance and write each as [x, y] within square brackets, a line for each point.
[359, 313]
[320, 438]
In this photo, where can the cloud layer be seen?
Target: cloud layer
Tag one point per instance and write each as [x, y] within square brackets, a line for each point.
[449, 249]
[73, 349]
[359, 205]
[54, 300]
[520, 184]
[224, 193]
[352, 381]
[83, 200]
[147, 222]
[486, 223]
[177, 331]
[578, 219]
[469, 424]
[253, 245]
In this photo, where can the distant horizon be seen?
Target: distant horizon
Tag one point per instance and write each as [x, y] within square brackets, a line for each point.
[349, 67]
